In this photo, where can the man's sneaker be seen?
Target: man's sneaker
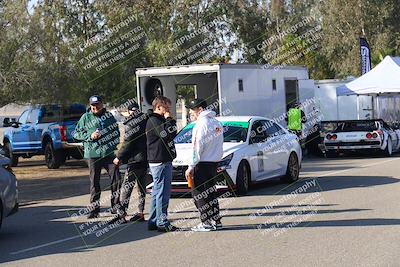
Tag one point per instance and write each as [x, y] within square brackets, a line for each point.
[138, 217]
[204, 227]
[218, 224]
[168, 228]
[93, 215]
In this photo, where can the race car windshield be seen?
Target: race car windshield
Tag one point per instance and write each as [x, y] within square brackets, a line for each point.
[359, 126]
[234, 132]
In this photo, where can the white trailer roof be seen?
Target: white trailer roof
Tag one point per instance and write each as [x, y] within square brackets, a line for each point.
[203, 68]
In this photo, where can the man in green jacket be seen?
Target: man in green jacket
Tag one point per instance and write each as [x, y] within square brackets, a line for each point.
[295, 119]
[99, 132]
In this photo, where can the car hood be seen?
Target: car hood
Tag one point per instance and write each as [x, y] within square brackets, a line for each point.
[184, 152]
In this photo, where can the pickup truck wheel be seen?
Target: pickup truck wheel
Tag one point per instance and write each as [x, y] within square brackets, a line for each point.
[54, 158]
[9, 154]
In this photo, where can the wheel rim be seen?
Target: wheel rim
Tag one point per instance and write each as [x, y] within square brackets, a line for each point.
[49, 155]
[293, 167]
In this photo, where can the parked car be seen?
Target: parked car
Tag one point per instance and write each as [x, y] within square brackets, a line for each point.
[45, 130]
[361, 135]
[8, 190]
[255, 149]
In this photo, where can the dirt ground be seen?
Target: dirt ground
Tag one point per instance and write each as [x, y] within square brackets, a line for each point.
[36, 183]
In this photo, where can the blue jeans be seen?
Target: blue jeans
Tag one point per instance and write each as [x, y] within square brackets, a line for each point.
[162, 176]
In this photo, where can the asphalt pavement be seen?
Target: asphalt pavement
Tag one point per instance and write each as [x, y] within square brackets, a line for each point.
[343, 212]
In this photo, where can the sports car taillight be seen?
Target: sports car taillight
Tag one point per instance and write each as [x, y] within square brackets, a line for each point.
[371, 135]
[331, 136]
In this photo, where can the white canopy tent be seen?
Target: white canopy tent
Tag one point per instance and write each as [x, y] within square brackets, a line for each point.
[383, 79]
[377, 92]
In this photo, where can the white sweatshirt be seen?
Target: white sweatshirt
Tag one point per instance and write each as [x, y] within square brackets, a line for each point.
[207, 139]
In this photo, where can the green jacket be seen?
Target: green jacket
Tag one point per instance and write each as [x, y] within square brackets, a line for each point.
[294, 119]
[109, 131]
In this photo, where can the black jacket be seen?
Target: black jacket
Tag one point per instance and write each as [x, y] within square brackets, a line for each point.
[134, 149]
[160, 138]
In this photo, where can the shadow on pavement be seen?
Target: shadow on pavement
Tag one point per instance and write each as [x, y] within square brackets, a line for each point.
[328, 223]
[327, 183]
[50, 230]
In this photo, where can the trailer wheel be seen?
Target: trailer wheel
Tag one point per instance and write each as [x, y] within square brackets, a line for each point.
[153, 89]
[331, 154]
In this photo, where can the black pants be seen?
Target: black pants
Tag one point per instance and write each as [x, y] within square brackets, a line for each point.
[204, 191]
[95, 167]
[132, 175]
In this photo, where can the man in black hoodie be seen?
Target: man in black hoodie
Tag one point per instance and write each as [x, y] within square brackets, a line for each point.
[161, 131]
[133, 152]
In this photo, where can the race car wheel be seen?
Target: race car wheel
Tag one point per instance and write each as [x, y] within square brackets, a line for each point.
[54, 158]
[292, 170]
[9, 154]
[389, 148]
[243, 178]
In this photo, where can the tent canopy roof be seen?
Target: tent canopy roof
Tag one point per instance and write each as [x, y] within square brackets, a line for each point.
[384, 78]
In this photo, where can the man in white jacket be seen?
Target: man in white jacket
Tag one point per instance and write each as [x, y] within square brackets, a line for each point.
[207, 142]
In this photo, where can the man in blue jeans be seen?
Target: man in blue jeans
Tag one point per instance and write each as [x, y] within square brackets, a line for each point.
[160, 131]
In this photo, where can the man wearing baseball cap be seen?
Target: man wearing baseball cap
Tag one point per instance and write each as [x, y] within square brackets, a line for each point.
[99, 132]
[134, 152]
[207, 142]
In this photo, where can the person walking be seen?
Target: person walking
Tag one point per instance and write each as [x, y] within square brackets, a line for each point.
[133, 152]
[160, 131]
[207, 143]
[99, 132]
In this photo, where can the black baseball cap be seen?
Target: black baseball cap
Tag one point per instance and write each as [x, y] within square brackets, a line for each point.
[133, 105]
[95, 99]
[196, 103]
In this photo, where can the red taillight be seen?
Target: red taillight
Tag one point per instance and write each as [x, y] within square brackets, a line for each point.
[331, 136]
[369, 135]
[63, 133]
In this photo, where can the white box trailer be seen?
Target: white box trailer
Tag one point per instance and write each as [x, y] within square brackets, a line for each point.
[347, 107]
[231, 89]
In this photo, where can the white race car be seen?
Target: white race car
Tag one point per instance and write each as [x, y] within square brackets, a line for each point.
[255, 149]
[361, 135]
